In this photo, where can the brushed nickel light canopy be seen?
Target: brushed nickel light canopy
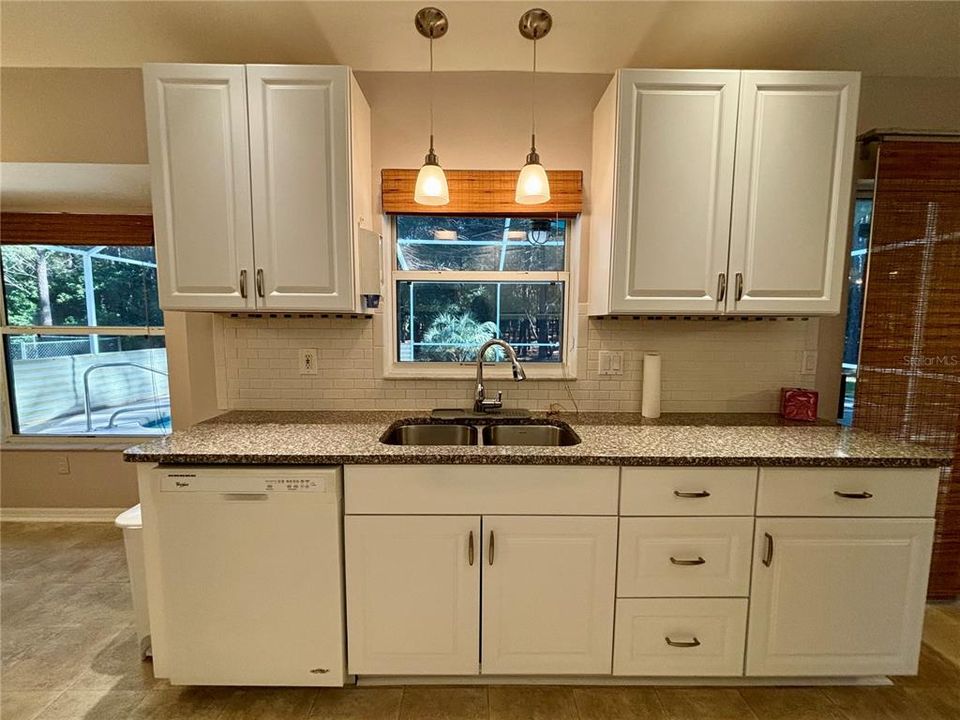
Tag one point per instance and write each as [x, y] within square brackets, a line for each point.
[431, 188]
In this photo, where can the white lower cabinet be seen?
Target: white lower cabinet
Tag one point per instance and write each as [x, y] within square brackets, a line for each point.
[838, 596]
[548, 593]
[687, 636]
[413, 594]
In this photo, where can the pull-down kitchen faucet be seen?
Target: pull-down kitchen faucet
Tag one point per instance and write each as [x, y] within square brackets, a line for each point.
[480, 402]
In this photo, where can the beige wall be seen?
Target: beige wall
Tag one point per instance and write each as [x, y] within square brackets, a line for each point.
[98, 479]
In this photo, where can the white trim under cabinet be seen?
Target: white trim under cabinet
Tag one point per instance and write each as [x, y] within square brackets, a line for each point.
[548, 594]
[200, 185]
[721, 192]
[299, 136]
[838, 596]
[413, 595]
[792, 188]
[680, 637]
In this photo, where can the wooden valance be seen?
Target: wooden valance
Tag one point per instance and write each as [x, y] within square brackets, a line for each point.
[75, 229]
[482, 192]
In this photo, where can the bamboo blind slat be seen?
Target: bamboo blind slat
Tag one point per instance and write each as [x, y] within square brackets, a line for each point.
[908, 382]
[482, 192]
[75, 229]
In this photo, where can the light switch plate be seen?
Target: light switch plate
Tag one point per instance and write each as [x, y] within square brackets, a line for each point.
[308, 361]
[611, 363]
[808, 365]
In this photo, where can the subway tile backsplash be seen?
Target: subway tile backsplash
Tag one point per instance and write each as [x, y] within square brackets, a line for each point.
[709, 365]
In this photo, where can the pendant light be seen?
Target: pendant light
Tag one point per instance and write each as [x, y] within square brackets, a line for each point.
[533, 187]
[431, 186]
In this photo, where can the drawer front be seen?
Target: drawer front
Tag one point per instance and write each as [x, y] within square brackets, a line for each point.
[480, 490]
[688, 491]
[684, 557]
[848, 492]
[680, 637]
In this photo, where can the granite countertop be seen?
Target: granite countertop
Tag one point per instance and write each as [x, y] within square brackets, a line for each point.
[337, 438]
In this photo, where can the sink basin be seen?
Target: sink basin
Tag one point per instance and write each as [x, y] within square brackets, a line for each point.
[420, 434]
[550, 435]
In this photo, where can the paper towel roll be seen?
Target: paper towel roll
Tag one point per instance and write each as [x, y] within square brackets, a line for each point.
[650, 404]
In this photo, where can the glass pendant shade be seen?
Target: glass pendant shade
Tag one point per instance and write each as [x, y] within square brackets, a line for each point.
[533, 187]
[431, 186]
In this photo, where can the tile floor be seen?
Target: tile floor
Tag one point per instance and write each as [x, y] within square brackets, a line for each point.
[69, 652]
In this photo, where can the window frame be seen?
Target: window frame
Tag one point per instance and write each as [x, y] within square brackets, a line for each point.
[11, 440]
[393, 369]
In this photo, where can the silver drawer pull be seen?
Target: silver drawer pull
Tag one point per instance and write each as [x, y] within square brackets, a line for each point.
[681, 561]
[854, 495]
[682, 643]
[697, 494]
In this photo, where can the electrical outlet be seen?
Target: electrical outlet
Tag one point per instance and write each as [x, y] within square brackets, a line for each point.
[611, 363]
[808, 365]
[308, 361]
[63, 465]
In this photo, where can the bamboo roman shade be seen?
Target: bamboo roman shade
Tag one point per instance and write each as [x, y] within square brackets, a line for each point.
[75, 229]
[908, 381]
[482, 192]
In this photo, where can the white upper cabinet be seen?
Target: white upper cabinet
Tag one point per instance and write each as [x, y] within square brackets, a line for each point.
[675, 138]
[274, 224]
[721, 191]
[200, 177]
[792, 190]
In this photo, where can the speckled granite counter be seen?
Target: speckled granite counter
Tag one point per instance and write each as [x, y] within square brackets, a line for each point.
[335, 438]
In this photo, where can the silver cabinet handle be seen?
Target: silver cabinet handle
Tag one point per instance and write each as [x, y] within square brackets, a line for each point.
[721, 287]
[490, 549]
[853, 495]
[739, 286]
[768, 550]
[260, 282]
[681, 561]
[697, 494]
[470, 549]
[243, 283]
[682, 643]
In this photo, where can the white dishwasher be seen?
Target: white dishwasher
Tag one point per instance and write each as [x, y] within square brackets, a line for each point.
[250, 575]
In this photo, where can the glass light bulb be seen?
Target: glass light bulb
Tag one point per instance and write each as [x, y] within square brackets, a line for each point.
[431, 186]
[533, 187]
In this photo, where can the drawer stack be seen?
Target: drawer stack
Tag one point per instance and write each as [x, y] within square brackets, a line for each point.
[686, 541]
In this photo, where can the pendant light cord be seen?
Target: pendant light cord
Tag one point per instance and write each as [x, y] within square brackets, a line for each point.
[533, 99]
[431, 94]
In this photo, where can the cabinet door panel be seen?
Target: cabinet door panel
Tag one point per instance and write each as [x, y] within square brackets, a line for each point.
[300, 171]
[840, 596]
[792, 188]
[200, 182]
[412, 595]
[548, 594]
[675, 149]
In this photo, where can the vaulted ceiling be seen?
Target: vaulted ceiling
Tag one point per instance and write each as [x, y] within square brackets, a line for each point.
[878, 38]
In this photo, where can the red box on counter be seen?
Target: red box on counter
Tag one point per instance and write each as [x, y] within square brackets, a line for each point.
[798, 404]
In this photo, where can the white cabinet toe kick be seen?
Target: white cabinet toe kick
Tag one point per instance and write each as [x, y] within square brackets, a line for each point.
[473, 573]
[493, 574]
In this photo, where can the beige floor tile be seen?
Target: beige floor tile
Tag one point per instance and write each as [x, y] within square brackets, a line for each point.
[704, 704]
[618, 703]
[269, 704]
[183, 703]
[934, 671]
[941, 631]
[782, 703]
[357, 704]
[880, 703]
[444, 703]
[532, 702]
[24, 705]
[118, 667]
[38, 658]
[92, 705]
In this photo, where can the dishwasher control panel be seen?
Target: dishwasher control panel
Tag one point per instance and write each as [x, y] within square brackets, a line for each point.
[247, 482]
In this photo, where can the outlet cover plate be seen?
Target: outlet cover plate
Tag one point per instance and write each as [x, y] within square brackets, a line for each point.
[308, 361]
[611, 362]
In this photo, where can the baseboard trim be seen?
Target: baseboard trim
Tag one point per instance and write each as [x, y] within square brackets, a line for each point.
[607, 680]
[52, 514]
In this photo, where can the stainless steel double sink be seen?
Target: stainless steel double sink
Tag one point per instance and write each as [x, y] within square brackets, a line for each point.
[557, 434]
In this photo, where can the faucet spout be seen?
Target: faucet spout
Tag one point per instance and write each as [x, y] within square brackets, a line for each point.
[480, 401]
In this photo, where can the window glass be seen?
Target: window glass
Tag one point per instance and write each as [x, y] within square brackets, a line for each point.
[480, 244]
[88, 384]
[448, 321]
